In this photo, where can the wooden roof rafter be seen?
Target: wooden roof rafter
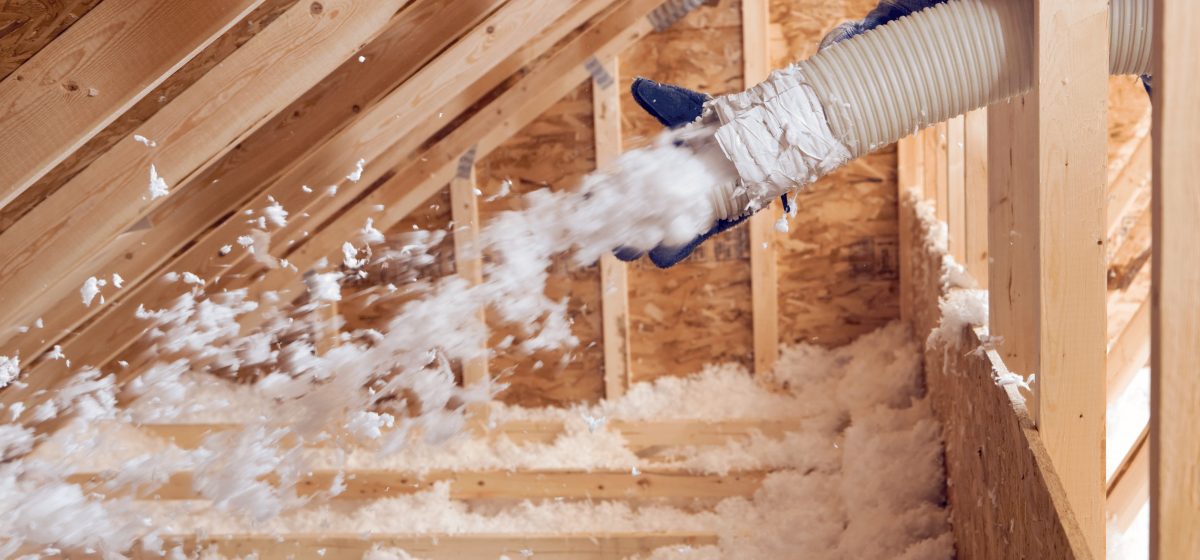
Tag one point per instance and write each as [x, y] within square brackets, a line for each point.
[60, 235]
[228, 187]
[94, 72]
[99, 342]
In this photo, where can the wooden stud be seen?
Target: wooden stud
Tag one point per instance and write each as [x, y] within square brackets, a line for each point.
[910, 155]
[764, 264]
[464, 201]
[940, 171]
[92, 73]
[1046, 236]
[1129, 488]
[607, 546]
[975, 181]
[62, 233]
[956, 186]
[1129, 353]
[614, 274]
[1175, 296]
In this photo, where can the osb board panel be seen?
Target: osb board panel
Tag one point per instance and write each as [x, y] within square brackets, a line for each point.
[797, 26]
[838, 264]
[698, 312]
[703, 52]
[553, 151]
[838, 271]
[124, 125]
[28, 25]
[1005, 499]
[369, 302]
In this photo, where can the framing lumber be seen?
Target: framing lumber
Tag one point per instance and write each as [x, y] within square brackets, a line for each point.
[1129, 487]
[1175, 299]
[1047, 187]
[910, 155]
[418, 175]
[614, 274]
[1123, 193]
[101, 340]
[940, 172]
[31, 25]
[975, 153]
[1129, 353]
[58, 236]
[764, 258]
[642, 437]
[1008, 499]
[956, 186]
[94, 72]
[487, 485]
[606, 546]
[468, 260]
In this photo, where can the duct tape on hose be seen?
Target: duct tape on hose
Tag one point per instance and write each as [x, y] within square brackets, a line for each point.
[777, 136]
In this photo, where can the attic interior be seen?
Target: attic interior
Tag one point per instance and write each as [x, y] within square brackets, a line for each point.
[334, 279]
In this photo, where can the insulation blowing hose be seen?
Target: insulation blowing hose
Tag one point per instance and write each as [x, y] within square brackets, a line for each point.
[944, 61]
[893, 80]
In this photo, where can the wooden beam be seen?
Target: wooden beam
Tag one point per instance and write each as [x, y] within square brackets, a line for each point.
[764, 258]
[29, 26]
[1175, 303]
[417, 176]
[58, 236]
[956, 187]
[90, 75]
[488, 485]
[1046, 232]
[975, 152]
[641, 437]
[1129, 353]
[231, 186]
[464, 202]
[1129, 487]
[910, 155]
[111, 333]
[940, 171]
[1123, 193]
[606, 546]
[998, 459]
[614, 274]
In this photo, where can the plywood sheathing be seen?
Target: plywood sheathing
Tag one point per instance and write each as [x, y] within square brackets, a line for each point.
[556, 150]
[699, 311]
[124, 126]
[1005, 498]
[838, 266]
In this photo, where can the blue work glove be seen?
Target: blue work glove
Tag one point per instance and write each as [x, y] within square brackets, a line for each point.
[674, 107]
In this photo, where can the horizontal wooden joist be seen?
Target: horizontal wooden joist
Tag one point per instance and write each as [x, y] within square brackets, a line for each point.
[642, 437]
[591, 546]
[491, 485]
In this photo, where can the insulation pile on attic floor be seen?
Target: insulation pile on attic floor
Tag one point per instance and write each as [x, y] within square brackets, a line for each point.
[857, 474]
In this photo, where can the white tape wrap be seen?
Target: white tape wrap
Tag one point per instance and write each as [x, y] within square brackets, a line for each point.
[777, 136]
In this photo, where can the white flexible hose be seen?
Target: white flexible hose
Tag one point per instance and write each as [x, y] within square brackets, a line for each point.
[884, 84]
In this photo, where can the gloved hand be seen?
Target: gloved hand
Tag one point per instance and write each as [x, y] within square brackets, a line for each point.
[674, 107]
